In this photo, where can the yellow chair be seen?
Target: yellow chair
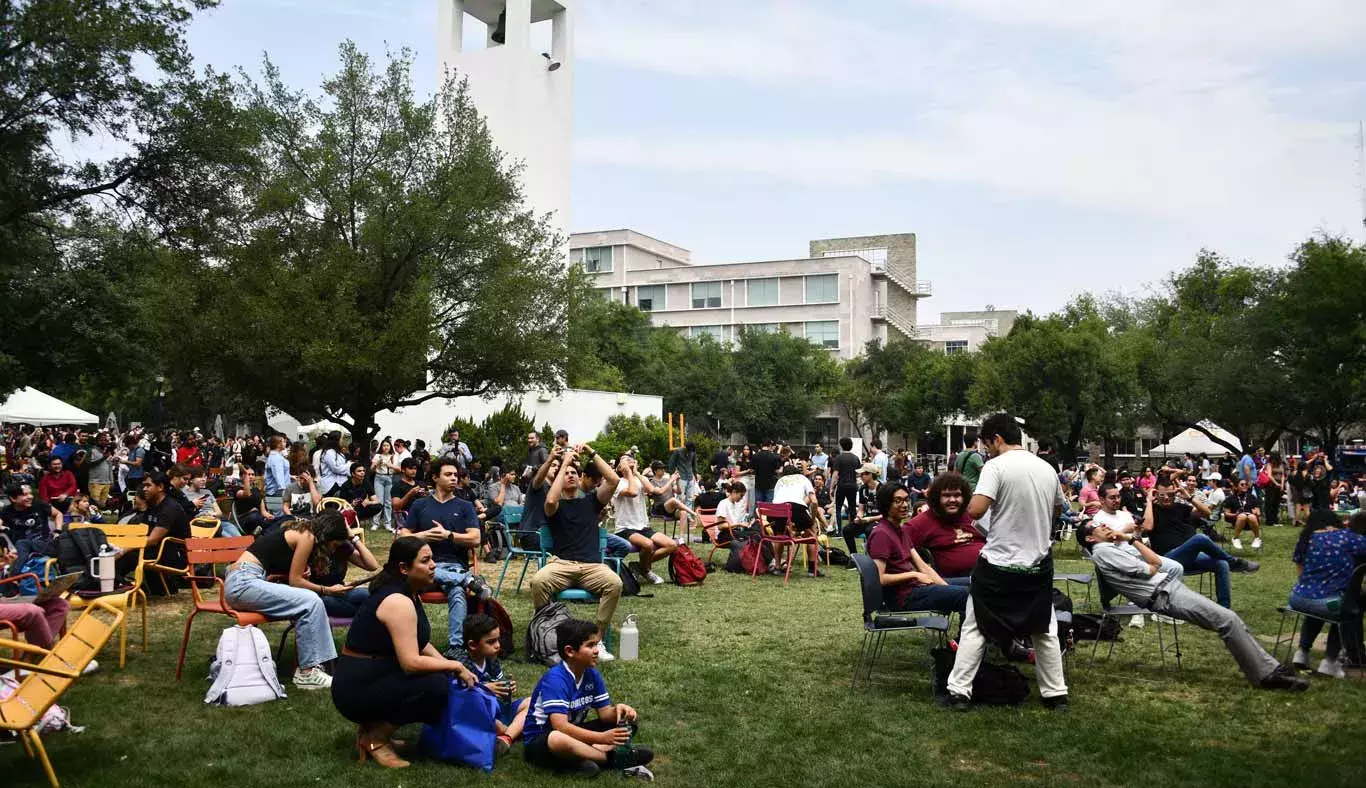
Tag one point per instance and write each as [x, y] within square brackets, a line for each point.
[48, 679]
[204, 527]
[130, 537]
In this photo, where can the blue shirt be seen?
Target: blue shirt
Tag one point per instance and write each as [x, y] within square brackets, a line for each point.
[134, 454]
[1247, 469]
[1328, 563]
[558, 693]
[63, 452]
[456, 514]
[277, 473]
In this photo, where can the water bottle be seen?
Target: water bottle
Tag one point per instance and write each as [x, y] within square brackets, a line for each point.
[102, 567]
[629, 641]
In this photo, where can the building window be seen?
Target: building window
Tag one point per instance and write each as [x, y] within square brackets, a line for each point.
[823, 431]
[597, 259]
[764, 328]
[706, 295]
[717, 333]
[823, 289]
[825, 333]
[762, 292]
[650, 297]
[953, 346]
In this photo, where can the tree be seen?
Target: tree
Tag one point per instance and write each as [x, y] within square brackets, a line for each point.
[934, 387]
[380, 247]
[777, 385]
[610, 342]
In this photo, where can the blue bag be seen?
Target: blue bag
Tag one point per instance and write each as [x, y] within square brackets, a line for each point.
[35, 564]
[467, 733]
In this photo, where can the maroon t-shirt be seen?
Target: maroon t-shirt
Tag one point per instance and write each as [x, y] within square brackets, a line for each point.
[955, 544]
[885, 544]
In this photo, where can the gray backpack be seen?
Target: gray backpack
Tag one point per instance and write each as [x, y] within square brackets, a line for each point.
[541, 643]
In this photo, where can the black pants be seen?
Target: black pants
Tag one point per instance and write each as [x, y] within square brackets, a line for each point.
[367, 691]
[537, 752]
[1274, 495]
[845, 495]
[852, 531]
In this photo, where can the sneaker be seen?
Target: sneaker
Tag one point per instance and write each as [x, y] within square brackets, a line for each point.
[1331, 667]
[454, 654]
[1243, 565]
[90, 668]
[654, 578]
[1136, 622]
[1237, 543]
[630, 757]
[954, 702]
[1057, 703]
[1257, 543]
[314, 678]
[1283, 678]
[639, 773]
[501, 745]
[1301, 659]
[479, 588]
[815, 573]
[588, 768]
[603, 654]
[374, 526]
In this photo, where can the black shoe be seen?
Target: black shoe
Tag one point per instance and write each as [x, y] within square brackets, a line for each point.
[633, 756]
[954, 702]
[1283, 678]
[453, 654]
[588, 769]
[1057, 703]
[1244, 565]
[479, 588]
[816, 573]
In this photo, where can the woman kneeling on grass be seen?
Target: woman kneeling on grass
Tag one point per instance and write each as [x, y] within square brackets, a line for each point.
[390, 674]
[293, 551]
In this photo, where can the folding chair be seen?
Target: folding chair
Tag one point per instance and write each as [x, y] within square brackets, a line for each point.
[1354, 587]
[22, 712]
[877, 621]
[515, 550]
[131, 537]
[576, 594]
[1134, 610]
[211, 552]
[782, 511]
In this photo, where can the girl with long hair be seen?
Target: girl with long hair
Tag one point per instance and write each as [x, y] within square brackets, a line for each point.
[384, 465]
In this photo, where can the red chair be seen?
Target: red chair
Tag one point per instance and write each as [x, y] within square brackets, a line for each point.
[222, 550]
[780, 511]
[438, 597]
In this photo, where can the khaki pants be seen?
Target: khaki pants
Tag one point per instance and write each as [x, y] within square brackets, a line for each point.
[596, 579]
[99, 493]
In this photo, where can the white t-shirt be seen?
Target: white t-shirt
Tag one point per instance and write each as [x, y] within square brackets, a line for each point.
[1024, 491]
[793, 488]
[630, 510]
[733, 512]
[1121, 520]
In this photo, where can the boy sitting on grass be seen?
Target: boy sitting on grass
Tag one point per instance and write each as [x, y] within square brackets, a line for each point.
[482, 635]
[558, 735]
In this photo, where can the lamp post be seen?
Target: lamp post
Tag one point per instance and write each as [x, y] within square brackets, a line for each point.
[161, 400]
[717, 419]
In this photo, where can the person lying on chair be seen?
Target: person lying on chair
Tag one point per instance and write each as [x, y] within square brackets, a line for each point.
[1134, 570]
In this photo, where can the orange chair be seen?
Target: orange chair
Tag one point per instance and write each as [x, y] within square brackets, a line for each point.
[199, 552]
[781, 511]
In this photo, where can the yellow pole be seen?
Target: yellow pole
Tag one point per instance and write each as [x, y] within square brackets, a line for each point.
[670, 417]
[682, 430]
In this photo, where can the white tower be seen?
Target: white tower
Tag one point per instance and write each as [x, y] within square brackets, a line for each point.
[525, 94]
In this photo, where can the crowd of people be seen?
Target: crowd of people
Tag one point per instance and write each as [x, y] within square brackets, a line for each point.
[974, 539]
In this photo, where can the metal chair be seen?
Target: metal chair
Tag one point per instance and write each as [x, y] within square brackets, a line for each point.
[512, 516]
[128, 598]
[576, 594]
[782, 511]
[877, 621]
[1134, 610]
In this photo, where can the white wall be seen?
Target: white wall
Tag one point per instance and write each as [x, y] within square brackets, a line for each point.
[582, 412]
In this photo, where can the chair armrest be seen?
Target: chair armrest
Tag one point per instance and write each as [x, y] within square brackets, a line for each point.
[19, 645]
[218, 581]
[155, 563]
[17, 578]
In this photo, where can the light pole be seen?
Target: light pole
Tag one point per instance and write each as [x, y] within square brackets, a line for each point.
[161, 400]
[717, 419]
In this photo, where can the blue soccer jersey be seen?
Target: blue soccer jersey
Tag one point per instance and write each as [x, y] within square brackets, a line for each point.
[558, 693]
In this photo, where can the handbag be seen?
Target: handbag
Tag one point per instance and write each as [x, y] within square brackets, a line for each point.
[467, 732]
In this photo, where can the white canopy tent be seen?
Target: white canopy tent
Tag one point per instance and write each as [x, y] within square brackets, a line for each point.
[1196, 442]
[31, 406]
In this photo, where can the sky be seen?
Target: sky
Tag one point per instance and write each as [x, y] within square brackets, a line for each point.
[1038, 148]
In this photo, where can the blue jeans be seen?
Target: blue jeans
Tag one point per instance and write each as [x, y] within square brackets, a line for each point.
[617, 546]
[248, 589]
[944, 598]
[384, 484]
[347, 605]
[227, 527]
[1330, 608]
[452, 578]
[1202, 554]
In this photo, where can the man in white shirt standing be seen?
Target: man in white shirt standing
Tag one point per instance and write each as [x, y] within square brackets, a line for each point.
[1016, 498]
[880, 460]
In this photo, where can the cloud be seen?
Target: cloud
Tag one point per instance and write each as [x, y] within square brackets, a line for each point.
[1182, 111]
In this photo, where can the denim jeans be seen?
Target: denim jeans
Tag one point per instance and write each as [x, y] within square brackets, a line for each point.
[247, 589]
[347, 605]
[452, 578]
[1202, 554]
[943, 598]
[618, 547]
[1330, 608]
[384, 485]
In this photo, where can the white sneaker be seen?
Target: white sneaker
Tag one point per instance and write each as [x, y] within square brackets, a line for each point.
[639, 773]
[1237, 544]
[91, 668]
[312, 679]
[1257, 543]
[1331, 667]
[654, 578]
[374, 526]
[1301, 659]
[1136, 622]
[603, 654]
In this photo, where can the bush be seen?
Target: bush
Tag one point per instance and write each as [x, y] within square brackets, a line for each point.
[501, 437]
[650, 436]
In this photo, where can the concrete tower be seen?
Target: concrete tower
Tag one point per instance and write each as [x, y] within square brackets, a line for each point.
[525, 93]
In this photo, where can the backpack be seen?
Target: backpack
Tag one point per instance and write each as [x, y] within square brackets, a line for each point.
[833, 556]
[1086, 626]
[630, 586]
[994, 684]
[749, 555]
[685, 568]
[507, 640]
[75, 548]
[541, 642]
[243, 671]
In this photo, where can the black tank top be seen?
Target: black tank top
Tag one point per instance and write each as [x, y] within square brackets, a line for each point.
[273, 552]
[368, 635]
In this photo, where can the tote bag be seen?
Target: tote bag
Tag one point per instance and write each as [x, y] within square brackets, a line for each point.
[467, 732]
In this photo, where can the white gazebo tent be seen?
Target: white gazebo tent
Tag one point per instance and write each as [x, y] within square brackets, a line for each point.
[31, 406]
[1196, 442]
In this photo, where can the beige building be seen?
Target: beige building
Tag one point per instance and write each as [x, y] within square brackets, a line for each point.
[848, 292]
[964, 332]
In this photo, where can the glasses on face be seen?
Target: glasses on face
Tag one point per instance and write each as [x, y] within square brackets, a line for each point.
[901, 501]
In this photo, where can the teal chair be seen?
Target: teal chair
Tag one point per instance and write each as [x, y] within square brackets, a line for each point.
[576, 594]
[508, 521]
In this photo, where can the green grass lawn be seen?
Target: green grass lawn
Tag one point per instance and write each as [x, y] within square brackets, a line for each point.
[747, 683]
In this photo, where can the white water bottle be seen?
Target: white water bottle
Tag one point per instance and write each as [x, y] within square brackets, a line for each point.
[102, 567]
[628, 646]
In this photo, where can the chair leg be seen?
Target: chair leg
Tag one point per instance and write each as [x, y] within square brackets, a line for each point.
[143, 604]
[499, 588]
[123, 636]
[42, 756]
[184, 645]
[858, 661]
[1161, 647]
[165, 588]
[526, 563]
[1176, 643]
